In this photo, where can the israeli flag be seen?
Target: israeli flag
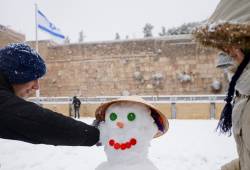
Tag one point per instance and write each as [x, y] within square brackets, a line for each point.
[45, 25]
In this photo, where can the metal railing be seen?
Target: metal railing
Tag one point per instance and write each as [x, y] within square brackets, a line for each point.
[151, 99]
[171, 99]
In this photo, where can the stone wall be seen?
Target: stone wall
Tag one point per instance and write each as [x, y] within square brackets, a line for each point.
[157, 66]
[141, 67]
[173, 65]
[9, 36]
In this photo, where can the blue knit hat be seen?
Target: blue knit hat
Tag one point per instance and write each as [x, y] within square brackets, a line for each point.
[19, 63]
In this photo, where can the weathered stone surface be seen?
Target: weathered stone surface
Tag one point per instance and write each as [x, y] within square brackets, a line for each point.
[9, 36]
[109, 68]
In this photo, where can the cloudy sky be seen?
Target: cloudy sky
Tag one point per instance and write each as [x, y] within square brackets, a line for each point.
[101, 19]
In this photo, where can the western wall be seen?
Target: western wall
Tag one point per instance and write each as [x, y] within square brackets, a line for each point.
[174, 65]
[156, 66]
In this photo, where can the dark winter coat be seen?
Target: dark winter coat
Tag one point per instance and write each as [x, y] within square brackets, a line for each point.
[28, 122]
[76, 102]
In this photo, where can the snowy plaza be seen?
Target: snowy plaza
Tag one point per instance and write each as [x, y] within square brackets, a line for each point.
[188, 145]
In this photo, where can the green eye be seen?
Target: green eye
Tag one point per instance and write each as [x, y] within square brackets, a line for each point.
[113, 116]
[131, 116]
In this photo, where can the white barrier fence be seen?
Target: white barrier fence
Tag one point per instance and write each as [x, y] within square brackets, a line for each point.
[172, 100]
[151, 99]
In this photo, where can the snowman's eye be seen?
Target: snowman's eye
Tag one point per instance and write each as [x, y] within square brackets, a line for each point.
[113, 116]
[131, 116]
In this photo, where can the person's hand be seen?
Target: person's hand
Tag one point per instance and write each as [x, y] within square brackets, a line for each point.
[96, 123]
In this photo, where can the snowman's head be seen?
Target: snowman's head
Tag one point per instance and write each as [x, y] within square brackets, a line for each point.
[128, 118]
[124, 115]
[131, 111]
[127, 125]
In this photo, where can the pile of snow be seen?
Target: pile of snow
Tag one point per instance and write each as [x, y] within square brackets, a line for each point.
[188, 145]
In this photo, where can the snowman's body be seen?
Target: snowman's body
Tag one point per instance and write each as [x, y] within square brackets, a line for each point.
[126, 135]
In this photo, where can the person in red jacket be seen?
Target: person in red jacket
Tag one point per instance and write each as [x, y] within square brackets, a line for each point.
[20, 69]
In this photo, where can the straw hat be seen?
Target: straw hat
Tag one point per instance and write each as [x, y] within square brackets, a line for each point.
[229, 25]
[160, 118]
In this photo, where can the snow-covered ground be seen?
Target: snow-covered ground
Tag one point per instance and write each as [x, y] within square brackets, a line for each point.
[188, 145]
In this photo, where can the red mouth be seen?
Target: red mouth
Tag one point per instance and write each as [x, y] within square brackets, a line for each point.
[124, 145]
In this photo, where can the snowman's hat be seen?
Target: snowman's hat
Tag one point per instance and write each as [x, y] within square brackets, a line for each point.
[160, 119]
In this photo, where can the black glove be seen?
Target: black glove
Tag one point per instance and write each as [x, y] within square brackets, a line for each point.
[96, 123]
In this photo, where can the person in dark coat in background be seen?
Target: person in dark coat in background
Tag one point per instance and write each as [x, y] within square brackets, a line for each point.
[20, 69]
[77, 104]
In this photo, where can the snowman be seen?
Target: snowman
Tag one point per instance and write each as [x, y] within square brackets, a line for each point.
[127, 125]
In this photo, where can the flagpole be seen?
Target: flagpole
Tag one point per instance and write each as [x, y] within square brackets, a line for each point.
[36, 27]
[36, 9]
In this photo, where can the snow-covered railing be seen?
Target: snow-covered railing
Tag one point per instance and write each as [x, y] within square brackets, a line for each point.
[151, 99]
[170, 99]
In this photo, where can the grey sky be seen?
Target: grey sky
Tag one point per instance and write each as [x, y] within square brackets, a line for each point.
[101, 19]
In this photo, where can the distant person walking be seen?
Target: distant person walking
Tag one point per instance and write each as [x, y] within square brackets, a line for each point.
[77, 105]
